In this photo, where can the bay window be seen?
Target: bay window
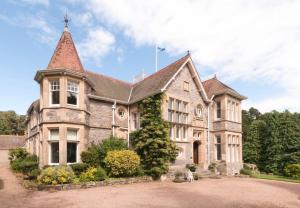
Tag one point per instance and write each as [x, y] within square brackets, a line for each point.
[72, 93]
[72, 145]
[53, 146]
[54, 92]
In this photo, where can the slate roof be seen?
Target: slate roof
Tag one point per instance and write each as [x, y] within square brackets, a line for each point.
[65, 55]
[108, 87]
[155, 82]
[11, 141]
[215, 87]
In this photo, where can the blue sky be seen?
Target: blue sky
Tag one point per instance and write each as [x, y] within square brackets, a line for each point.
[118, 39]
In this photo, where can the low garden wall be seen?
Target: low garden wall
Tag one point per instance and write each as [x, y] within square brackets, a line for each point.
[91, 184]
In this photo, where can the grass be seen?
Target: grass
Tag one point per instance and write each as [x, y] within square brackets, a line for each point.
[275, 178]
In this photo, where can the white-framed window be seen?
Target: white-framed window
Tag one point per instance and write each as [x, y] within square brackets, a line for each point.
[72, 146]
[72, 93]
[218, 153]
[53, 146]
[184, 132]
[54, 95]
[170, 103]
[218, 110]
[178, 132]
[185, 107]
[171, 132]
[136, 121]
[228, 110]
[170, 116]
[229, 149]
[237, 112]
[186, 86]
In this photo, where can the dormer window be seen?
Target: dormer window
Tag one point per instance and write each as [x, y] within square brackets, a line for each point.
[54, 92]
[72, 93]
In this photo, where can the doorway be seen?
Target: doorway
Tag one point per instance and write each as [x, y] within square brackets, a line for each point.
[196, 145]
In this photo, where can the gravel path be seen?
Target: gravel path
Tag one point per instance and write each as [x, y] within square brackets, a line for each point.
[226, 192]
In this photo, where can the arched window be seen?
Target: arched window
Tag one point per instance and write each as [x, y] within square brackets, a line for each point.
[199, 111]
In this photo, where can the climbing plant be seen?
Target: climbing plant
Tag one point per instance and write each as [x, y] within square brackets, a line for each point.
[152, 141]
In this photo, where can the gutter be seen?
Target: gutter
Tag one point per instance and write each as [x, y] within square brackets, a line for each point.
[113, 117]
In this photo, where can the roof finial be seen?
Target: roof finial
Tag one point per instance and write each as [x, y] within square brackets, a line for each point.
[66, 19]
[188, 52]
[215, 76]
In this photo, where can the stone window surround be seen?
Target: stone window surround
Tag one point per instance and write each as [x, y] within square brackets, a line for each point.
[233, 148]
[54, 85]
[218, 144]
[58, 141]
[121, 108]
[63, 87]
[72, 88]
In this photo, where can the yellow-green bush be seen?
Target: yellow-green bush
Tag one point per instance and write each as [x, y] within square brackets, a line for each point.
[292, 170]
[122, 163]
[93, 174]
[56, 175]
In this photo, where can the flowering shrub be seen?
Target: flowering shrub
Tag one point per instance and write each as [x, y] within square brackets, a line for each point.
[93, 174]
[122, 163]
[56, 175]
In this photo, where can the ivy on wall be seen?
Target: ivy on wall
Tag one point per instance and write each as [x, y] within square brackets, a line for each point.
[152, 142]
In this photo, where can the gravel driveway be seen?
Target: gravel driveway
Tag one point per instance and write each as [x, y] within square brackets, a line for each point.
[226, 192]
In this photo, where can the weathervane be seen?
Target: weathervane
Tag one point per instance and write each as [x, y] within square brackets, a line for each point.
[66, 19]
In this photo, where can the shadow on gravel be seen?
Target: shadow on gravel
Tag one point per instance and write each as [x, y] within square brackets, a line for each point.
[1, 184]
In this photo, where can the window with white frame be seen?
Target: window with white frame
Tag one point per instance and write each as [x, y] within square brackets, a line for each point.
[229, 149]
[218, 110]
[72, 145]
[218, 153]
[178, 118]
[135, 119]
[72, 93]
[53, 146]
[54, 92]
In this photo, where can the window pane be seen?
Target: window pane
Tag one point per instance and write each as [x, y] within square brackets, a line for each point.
[72, 98]
[218, 110]
[218, 151]
[54, 152]
[72, 134]
[54, 134]
[55, 97]
[71, 152]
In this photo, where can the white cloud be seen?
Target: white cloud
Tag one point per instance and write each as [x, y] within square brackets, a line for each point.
[96, 45]
[256, 41]
[42, 2]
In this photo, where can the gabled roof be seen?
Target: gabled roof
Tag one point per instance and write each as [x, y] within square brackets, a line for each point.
[11, 141]
[154, 83]
[108, 87]
[65, 55]
[215, 87]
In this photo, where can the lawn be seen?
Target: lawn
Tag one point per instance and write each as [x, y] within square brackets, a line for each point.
[275, 177]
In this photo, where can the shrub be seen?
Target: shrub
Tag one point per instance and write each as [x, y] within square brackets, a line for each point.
[29, 164]
[245, 171]
[140, 171]
[56, 175]
[292, 170]
[122, 163]
[17, 153]
[32, 175]
[95, 154]
[91, 155]
[212, 167]
[178, 174]
[78, 168]
[191, 167]
[93, 174]
[152, 141]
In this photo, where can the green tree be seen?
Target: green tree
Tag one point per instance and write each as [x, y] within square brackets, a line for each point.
[11, 123]
[252, 146]
[152, 141]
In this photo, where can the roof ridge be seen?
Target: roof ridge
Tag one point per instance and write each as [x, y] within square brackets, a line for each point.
[164, 68]
[109, 77]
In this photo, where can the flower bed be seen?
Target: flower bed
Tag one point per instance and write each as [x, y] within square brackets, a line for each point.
[108, 182]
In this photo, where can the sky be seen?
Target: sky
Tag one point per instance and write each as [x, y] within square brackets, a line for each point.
[253, 46]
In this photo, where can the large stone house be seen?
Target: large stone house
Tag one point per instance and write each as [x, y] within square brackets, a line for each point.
[77, 107]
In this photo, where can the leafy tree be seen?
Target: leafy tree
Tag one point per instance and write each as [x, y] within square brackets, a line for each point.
[152, 141]
[252, 146]
[11, 123]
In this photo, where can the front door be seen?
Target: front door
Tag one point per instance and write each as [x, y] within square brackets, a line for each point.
[196, 152]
